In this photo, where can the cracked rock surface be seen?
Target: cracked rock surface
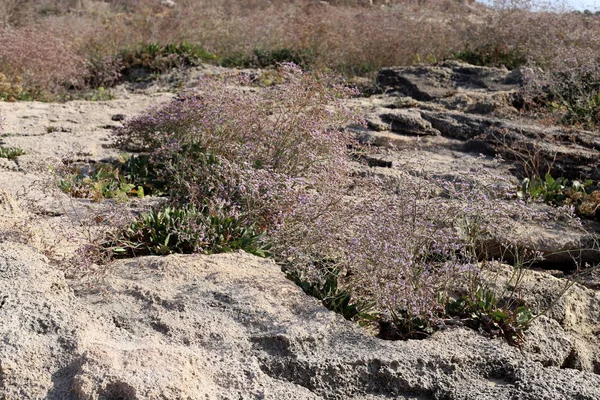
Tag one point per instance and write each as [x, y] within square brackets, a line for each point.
[231, 326]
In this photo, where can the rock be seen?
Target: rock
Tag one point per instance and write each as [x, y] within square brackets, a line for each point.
[519, 76]
[39, 326]
[168, 3]
[409, 122]
[472, 100]
[565, 246]
[547, 342]
[403, 121]
[427, 83]
[573, 154]
[231, 326]
[118, 117]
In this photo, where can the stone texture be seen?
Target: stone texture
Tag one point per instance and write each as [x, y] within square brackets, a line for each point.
[426, 83]
[231, 326]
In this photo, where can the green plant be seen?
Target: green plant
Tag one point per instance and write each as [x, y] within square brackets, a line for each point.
[142, 172]
[560, 191]
[333, 297]
[401, 325]
[483, 311]
[585, 111]
[104, 181]
[549, 189]
[11, 152]
[186, 230]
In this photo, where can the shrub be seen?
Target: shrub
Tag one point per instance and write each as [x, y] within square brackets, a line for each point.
[261, 58]
[104, 71]
[242, 155]
[248, 150]
[493, 56]
[573, 93]
[36, 62]
[343, 36]
[154, 58]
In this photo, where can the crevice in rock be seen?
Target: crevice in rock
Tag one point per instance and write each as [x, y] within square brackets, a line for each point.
[118, 391]
[572, 361]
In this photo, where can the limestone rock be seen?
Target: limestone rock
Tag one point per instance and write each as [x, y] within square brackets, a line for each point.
[427, 83]
[231, 326]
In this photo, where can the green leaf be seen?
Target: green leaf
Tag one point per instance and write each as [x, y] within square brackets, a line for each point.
[499, 316]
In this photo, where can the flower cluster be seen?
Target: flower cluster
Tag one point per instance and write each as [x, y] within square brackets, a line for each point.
[241, 148]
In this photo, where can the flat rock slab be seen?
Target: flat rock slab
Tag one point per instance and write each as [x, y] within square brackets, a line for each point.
[79, 128]
[427, 83]
[231, 326]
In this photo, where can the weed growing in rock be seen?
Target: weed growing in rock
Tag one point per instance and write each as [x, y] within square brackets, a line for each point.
[265, 167]
[572, 93]
[11, 152]
[334, 297]
[483, 311]
[103, 181]
[185, 230]
[583, 196]
[393, 252]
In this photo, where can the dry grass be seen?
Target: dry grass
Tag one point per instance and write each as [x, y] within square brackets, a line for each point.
[351, 37]
[38, 60]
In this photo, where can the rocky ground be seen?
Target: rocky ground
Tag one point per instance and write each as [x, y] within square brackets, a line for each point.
[231, 326]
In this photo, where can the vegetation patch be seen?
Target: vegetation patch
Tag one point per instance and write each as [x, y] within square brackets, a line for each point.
[43, 59]
[583, 196]
[484, 312]
[270, 172]
[328, 289]
[186, 230]
[132, 175]
[155, 58]
[11, 152]
[261, 58]
[493, 55]
[571, 95]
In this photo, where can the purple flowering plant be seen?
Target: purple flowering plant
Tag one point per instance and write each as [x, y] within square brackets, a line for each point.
[271, 161]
